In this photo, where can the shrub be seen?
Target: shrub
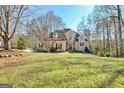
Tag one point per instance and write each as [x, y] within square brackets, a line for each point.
[52, 49]
[87, 50]
[108, 55]
[94, 49]
[21, 44]
[102, 52]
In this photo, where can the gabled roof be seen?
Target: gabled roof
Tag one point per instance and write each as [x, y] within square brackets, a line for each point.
[64, 31]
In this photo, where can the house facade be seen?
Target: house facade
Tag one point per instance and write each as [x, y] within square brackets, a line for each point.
[68, 40]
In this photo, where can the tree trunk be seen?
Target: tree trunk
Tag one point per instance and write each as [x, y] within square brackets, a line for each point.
[108, 40]
[104, 49]
[6, 44]
[116, 41]
[119, 28]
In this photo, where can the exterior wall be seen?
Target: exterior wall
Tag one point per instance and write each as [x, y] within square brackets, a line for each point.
[63, 43]
[70, 35]
[53, 44]
[77, 46]
[81, 39]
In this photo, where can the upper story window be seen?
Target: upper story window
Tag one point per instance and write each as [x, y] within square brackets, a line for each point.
[70, 38]
[56, 36]
[61, 34]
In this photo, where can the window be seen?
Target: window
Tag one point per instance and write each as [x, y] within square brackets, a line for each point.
[61, 34]
[81, 43]
[61, 46]
[56, 46]
[56, 36]
[70, 38]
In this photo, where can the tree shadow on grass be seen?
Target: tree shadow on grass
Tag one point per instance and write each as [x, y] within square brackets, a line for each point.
[115, 75]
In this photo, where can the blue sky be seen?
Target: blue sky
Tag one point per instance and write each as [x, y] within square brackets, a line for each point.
[71, 14]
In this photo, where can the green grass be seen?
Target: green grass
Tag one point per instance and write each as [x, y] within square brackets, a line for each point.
[65, 70]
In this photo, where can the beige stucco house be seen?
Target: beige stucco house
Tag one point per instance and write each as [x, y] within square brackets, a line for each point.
[67, 40]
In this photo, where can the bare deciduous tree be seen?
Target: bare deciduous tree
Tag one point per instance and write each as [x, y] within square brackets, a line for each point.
[10, 16]
[113, 14]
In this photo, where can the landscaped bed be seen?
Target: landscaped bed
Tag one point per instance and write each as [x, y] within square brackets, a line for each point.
[10, 53]
[62, 70]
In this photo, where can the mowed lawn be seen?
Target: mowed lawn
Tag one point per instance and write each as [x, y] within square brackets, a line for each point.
[63, 70]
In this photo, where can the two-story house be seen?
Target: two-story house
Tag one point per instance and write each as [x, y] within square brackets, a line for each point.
[68, 40]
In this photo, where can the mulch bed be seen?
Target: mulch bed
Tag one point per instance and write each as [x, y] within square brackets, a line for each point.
[12, 58]
[11, 53]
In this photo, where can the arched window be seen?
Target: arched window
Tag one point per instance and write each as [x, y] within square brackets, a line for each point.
[61, 46]
[81, 43]
[56, 45]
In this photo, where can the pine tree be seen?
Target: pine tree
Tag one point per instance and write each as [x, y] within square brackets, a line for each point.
[21, 43]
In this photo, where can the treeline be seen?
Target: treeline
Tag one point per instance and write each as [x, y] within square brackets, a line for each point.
[105, 30]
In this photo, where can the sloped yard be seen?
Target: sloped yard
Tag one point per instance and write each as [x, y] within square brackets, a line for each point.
[62, 70]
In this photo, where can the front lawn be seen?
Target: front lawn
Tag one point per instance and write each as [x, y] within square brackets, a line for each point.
[62, 70]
